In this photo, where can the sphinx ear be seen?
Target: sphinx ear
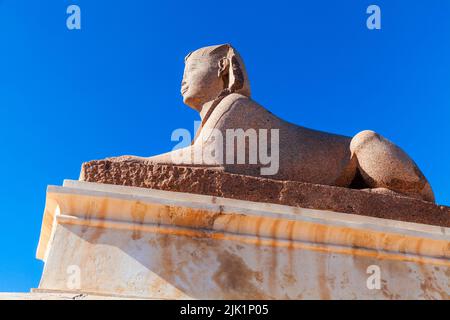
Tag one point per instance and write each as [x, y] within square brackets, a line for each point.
[223, 65]
[235, 74]
[231, 72]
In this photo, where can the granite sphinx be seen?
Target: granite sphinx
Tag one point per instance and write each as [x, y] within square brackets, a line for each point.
[216, 84]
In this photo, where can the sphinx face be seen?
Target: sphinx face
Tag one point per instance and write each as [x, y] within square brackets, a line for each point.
[201, 82]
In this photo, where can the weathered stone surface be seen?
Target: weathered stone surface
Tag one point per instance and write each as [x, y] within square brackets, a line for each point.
[221, 184]
[137, 242]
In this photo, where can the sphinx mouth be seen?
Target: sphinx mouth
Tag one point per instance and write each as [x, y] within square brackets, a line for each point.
[184, 90]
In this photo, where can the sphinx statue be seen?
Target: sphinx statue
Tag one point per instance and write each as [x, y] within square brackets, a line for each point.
[215, 83]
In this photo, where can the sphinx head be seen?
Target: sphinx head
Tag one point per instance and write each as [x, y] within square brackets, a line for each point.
[211, 73]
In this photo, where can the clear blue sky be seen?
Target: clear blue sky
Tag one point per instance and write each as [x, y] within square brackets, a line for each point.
[112, 88]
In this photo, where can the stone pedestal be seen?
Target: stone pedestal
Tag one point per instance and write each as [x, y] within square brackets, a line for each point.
[122, 241]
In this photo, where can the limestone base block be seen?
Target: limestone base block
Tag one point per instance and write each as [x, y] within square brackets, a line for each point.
[121, 241]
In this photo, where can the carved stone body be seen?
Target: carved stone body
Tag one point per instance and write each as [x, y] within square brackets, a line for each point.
[216, 84]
